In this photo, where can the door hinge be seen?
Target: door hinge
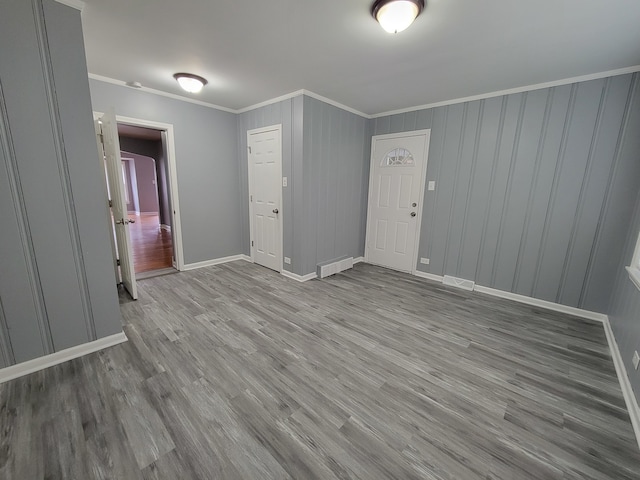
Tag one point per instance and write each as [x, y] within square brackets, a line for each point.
[118, 262]
[252, 243]
[110, 203]
[251, 198]
[249, 149]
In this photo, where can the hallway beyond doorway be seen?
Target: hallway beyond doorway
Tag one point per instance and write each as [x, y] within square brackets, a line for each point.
[152, 245]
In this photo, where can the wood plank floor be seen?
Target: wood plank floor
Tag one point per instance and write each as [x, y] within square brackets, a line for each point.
[235, 372]
[152, 246]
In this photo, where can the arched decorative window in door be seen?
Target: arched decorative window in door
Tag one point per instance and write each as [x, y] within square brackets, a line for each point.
[398, 157]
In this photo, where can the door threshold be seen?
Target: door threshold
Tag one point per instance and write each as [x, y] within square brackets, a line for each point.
[155, 273]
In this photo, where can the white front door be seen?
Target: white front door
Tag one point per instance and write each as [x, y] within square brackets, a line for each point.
[265, 196]
[396, 187]
[107, 131]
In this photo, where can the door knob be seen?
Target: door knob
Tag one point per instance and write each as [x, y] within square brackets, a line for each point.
[413, 214]
[120, 222]
[275, 210]
[131, 221]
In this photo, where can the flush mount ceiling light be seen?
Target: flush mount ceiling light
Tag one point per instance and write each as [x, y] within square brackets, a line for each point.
[396, 15]
[189, 82]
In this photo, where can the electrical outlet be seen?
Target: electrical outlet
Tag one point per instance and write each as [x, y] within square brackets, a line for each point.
[636, 359]
[424, 261]
[287, 260]
[431, 186]
[284, 181]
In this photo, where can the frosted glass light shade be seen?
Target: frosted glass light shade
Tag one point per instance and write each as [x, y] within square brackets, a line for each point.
[189, 82]
[396, 15]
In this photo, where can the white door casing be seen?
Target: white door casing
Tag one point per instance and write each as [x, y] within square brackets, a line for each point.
[396, 196]
[107, 126]
[264, 147]
[167, 132]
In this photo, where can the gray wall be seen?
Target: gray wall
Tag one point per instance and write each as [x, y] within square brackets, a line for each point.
[147, 192]
[336, 158]
[529, 195]
[325, 156]
[287, 113]
[155, 149]
[624, 312]
[56, 288]
[207, 164]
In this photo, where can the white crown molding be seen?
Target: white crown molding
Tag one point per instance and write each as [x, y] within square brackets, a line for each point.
[271, 101]
[297, 93]
[215, 261]
[299, 278]
[40, 363]
[335, 104]
[153, 91]
[623, 378]
[77, 4]
[511, 91]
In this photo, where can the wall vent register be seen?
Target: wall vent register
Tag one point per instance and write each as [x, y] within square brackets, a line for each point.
[398, 157]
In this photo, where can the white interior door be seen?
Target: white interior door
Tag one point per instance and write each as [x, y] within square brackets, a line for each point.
[107, 129]
[396, 187]
[265, 196]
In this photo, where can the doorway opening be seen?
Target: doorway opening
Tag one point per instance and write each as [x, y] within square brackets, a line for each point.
[145, 171]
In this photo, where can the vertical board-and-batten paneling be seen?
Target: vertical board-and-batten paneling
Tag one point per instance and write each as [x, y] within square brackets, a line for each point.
[336, 174]
[56, 261]
[525, 185]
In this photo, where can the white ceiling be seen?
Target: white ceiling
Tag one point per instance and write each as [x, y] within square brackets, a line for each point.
[255, 50]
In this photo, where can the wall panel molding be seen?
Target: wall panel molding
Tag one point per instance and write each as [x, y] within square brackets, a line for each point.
[63, 168]
[24, 230]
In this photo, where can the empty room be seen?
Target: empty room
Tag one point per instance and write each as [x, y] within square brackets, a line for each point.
[295, 239]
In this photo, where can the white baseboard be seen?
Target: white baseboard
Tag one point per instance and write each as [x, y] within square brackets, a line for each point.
[428, 276]
[578, 312]
[215, 261]
[31, 366]
[299, 278]
[246, 258]
[358, 260]
[165, 227]
[623, 378]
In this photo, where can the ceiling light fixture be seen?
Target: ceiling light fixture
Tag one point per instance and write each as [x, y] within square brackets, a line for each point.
[189, 82]
[396, 15]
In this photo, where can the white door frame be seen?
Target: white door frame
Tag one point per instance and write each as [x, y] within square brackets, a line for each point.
[414, 133]
[277, 127]
[176, 226]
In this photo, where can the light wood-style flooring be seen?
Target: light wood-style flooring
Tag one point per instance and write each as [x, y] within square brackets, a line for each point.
[152, 246]
[236, 372]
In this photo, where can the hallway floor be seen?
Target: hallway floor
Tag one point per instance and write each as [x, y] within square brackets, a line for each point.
[152, 246]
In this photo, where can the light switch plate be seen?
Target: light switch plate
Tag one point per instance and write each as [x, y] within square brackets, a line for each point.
[424, 261]
[287, 260]
[284, 181]
[431, 186]
[636, 359]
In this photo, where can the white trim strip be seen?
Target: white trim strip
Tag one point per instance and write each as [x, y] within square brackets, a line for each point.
[623, 378]
[215, 261]
[578, 312]
[77, 4]
[511, 91]
[271, 101]
[299, 278]
[335, 104]
[428, 276]
[153, 91]
[297, 93]
[37, 364]
[634, 276]
[358, 260]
